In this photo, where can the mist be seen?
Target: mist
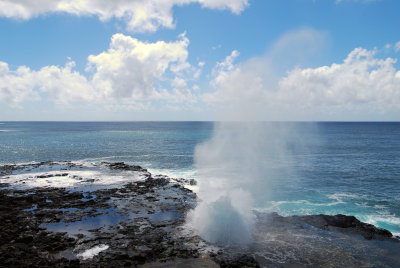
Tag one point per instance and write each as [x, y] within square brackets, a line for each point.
[237, 170]
[249, 155]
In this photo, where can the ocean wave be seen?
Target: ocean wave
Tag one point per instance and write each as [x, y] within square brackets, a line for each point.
[388, 218]
[343, 198]
[75, 174]
[378, 215]
[380, 206]
[286, 212]
[306, 202]
[388, 221]
[94, 159]
[175, 173]
[340, 196]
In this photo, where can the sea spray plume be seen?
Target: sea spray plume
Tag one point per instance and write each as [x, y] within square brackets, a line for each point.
[235, 168]
[224, 222]
[245, 161]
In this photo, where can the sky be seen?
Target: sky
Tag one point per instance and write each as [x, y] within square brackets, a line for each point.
[156, 60]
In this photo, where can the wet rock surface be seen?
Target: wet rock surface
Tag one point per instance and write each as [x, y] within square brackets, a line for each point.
[140, 222]
[322, 241]
[346, 224]
[129, 225]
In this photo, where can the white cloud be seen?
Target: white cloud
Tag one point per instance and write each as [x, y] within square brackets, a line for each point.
[64, 85]
[224, 69]
[197, 71]
[139, 15]
[397, 47]
[361, 80]
[236, 6]
[251, 84]
[129, 68]
[181, 92]
[132, 74]
[251, 90]
[16, 86]
[128, 72]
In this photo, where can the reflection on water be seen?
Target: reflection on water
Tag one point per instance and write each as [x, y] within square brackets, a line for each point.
[106, 221]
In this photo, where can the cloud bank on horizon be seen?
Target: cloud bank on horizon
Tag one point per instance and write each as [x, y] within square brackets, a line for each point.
[132, 74]
[125, 70]
[362, 82]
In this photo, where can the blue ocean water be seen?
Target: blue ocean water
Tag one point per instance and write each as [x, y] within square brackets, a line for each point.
[348, 168]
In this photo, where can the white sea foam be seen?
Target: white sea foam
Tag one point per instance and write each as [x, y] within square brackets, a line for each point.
[90, 253]
[59, 175]
[341, 196]
[305, 202]
[376, 219]
[300, 210]
[193, 188]
[380, 206]
[384, 220]
[179, 173]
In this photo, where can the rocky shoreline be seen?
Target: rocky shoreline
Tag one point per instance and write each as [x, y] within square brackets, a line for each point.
[81, 221]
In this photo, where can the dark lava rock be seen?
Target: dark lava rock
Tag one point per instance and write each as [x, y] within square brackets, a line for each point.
[201, 262]
[138, 222]
[123, 166]
[7, 169]
[347, 224]
[321, 241]
[23, 242]
[141, 223]
[236, 261]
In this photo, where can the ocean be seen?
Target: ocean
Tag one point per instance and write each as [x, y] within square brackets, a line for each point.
[348, 168]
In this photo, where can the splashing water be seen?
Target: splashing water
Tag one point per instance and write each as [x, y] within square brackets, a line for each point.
[236, 169]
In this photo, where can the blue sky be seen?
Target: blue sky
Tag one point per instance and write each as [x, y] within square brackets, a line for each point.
[200, 60]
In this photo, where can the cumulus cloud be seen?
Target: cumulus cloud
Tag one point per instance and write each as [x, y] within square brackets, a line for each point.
[361, 80]
[139, 15]
[64, 85]
[254, 90]
[16, 86]
[129, 67]
[224, 69]
[180, 97]
[61, 84]
[132, 74]
[127, 72]
[257, 74]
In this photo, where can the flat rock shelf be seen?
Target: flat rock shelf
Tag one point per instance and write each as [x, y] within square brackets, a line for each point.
[77, 214]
